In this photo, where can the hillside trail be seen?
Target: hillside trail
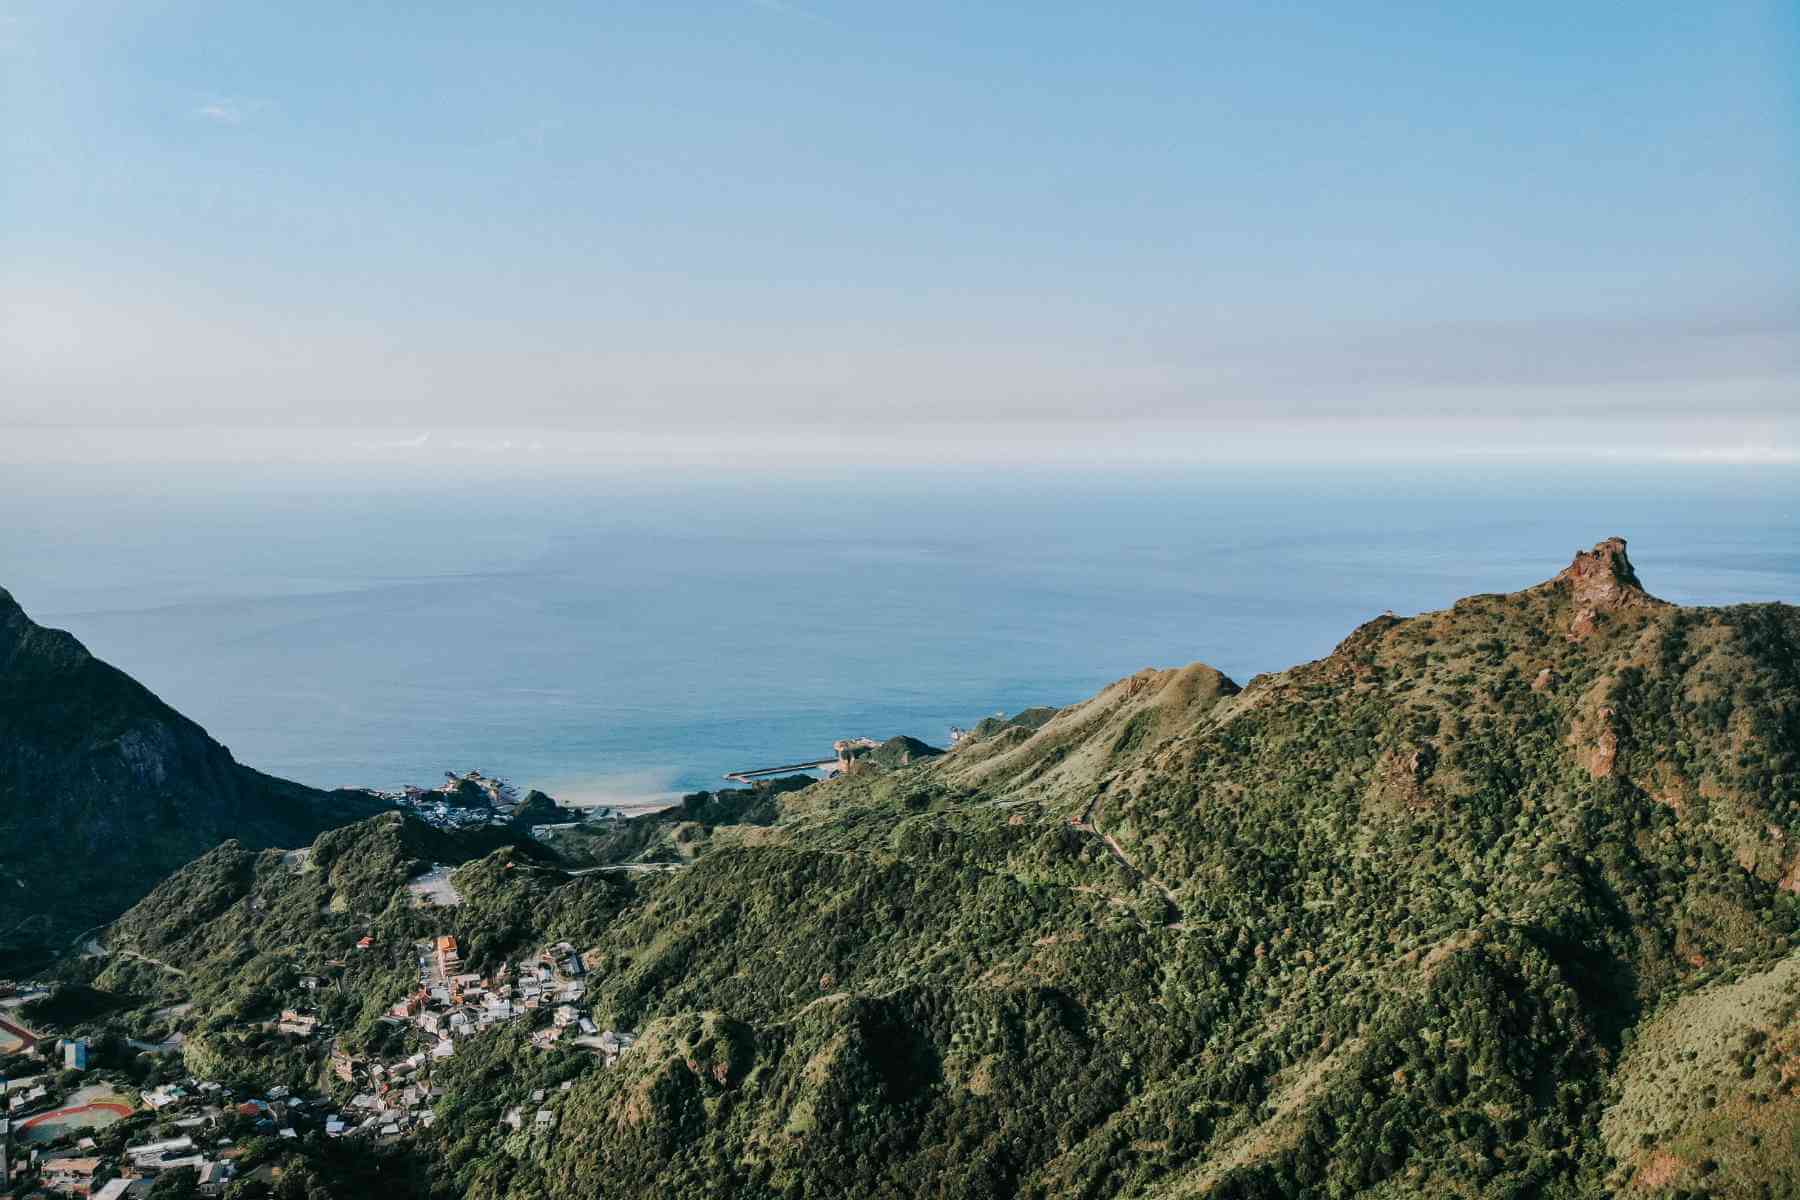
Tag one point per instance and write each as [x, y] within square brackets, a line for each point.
[624, 869]
[155, 962]
[1089, 822]
[90, 946]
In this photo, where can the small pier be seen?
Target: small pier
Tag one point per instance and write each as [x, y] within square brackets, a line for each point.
[843, 750]
[823, 764]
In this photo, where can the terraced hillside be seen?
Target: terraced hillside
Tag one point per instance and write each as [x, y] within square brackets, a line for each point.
[1492, 901]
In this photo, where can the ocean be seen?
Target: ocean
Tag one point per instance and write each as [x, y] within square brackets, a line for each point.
[626, 637]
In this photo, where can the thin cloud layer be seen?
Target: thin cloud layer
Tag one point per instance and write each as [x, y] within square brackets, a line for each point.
[1199, 231]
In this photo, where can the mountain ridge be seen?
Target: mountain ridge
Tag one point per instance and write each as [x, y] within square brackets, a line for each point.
[1464, 908]
[104, 788]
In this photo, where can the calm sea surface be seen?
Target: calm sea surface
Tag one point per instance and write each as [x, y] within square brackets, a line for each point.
[612, 637]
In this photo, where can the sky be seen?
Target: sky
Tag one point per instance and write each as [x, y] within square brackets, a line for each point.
[939, 231]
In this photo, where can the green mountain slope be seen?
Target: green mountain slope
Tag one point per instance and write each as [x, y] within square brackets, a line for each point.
[104, 790]
[1446, 913]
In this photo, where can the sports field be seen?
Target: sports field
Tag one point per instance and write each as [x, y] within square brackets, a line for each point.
[89, 1108]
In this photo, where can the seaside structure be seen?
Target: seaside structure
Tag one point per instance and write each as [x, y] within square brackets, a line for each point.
[843, 750]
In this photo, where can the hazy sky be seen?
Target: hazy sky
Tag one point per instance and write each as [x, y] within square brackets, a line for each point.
[1031, 229]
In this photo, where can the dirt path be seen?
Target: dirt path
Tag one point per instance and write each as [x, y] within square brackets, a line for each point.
[1089, 822]
[155, 962]
[626, 868]
[92, 948]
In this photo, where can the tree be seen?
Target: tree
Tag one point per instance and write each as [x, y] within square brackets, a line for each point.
[180, 1184]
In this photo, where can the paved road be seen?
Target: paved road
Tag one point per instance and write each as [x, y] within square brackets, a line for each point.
[23, 1033]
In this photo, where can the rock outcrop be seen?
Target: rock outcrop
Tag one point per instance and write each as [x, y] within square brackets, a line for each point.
[1598, 581]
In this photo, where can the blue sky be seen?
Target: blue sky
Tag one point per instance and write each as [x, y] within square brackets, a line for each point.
[1507, 227]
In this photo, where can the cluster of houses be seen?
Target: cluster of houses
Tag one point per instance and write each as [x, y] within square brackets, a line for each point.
[389, 1099]
[25, 1096]
[547, 831]
[192, 1116]
[542, 1119]
[14, 992]
[449, 1004]
[472, 800]
[447, 806]
[297, 1023]
[393, 1098]
[192, 1120]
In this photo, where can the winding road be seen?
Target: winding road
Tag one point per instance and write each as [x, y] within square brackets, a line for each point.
[155, 962]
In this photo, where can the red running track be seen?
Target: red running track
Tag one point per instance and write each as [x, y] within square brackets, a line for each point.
[122, 1110]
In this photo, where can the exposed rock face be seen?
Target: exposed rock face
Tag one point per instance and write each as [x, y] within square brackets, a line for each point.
[1600, 580]
[1401, 776]
[1604, 576]
[104, 789]
[1420, 762]
[1605, 751]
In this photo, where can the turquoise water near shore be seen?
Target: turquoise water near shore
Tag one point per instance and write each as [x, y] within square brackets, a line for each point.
[631, 636]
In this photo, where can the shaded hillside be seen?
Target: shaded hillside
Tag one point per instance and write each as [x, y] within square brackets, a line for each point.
[1492, 901]
[104, 789]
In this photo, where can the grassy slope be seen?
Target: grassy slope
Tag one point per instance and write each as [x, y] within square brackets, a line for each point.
[1706, 1095]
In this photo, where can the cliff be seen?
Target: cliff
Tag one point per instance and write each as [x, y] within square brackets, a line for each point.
[104, 789]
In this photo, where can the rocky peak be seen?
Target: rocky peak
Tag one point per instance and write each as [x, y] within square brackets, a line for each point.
[1604, 576]
[11, 615]
[25, 645]
[104, 789]
[1600, 580]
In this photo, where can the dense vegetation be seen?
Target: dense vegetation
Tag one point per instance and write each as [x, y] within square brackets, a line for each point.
[1494, 901]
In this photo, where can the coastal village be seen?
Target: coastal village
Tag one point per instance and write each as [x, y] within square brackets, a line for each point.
[473, 801]
[53, 1139]
[55, 1116]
